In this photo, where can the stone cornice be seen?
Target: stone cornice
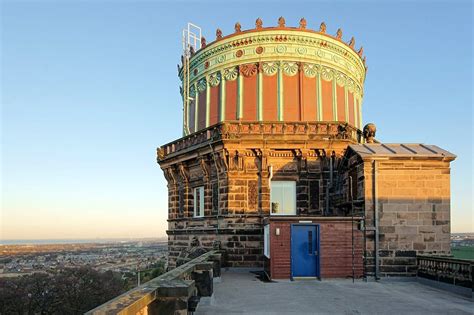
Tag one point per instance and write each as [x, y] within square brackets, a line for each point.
[260, 131]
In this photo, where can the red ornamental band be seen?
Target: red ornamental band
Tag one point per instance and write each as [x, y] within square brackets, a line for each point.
[298, 98]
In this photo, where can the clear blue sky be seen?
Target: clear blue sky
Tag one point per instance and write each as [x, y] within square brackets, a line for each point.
[90, 89]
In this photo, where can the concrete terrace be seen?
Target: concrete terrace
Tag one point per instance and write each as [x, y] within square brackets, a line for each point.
[241, 292]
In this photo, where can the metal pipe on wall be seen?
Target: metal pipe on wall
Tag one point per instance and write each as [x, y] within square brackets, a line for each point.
[218, 189]
[352, 227]
[330, 169]
[376, 220]
[329, 184]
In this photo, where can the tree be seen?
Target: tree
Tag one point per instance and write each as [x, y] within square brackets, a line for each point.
[69, 291]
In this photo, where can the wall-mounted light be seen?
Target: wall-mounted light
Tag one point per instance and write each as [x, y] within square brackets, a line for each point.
[277, 231]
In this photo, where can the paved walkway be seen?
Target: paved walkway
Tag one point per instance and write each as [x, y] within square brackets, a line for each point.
[242, 293]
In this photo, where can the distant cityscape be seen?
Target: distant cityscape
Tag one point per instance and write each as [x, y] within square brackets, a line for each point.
[462, 239]
[121, 256]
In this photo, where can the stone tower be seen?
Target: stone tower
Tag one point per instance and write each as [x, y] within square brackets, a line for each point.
[272, 113]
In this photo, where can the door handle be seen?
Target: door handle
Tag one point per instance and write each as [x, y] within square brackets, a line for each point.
[316, 252]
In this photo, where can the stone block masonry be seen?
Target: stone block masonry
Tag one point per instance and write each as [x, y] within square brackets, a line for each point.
[413, 205]
[414, 213]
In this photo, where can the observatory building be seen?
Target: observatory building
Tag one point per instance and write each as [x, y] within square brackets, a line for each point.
[275, 168]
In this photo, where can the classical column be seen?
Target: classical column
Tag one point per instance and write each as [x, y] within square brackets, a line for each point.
[222, 102]
[260, 93]
[319, 96]
[334, 97]
[280, 93]
[356, 114]
[346, 102]
[196, 107]
[300, 90]
[208, 101]
[240, 95]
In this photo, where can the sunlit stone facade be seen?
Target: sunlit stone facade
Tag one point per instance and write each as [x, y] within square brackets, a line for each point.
[279, 109]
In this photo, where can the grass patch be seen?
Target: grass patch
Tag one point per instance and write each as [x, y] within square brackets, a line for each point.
[463, 252]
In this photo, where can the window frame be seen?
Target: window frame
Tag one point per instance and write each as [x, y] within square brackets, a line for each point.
[271, 201]
[266, 240]
[201, 202]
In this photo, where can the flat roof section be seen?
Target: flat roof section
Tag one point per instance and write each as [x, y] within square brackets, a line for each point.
[406, 150]
[240, 292]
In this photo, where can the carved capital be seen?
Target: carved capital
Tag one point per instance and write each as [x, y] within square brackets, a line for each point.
[170, 175]
[248, 70]
[214, 79]
[160, 154]
[205, 168]
[183, 172]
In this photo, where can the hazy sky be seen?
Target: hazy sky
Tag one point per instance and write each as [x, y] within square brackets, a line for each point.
[90, 89]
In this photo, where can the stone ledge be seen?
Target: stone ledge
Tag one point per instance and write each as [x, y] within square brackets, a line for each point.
[166, 292]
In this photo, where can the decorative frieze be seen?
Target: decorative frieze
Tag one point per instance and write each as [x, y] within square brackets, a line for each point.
[242, 130]
[298, 45]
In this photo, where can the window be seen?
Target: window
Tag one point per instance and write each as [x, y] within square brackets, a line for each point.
[283, 198]
[199, 201]
[266, 240]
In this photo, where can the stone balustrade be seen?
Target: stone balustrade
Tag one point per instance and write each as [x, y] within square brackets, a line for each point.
[230, 130]
[175, 292]
[448, 270]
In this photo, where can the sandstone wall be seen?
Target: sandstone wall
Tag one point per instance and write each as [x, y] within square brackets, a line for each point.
[237, 198]
[414, 212]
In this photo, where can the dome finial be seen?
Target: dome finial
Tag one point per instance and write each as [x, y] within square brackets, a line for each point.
[218, 33]
[322, 28]
[352, 42]
[237, 27]
[361, 51]
[258, 23]
[303, 23]
[281, 22]
[339, 33]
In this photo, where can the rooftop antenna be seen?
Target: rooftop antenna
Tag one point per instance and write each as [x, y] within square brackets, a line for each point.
[191, 42]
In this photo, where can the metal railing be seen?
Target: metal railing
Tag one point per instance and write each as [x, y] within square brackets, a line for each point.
[174, 292]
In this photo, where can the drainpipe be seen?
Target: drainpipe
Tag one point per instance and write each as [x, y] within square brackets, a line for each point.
[329, 184]
[218, 190]
[352, 227]
[376, 220]
[330, 170]
[270, 176]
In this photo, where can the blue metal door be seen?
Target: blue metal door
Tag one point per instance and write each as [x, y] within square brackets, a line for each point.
[304, 250]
